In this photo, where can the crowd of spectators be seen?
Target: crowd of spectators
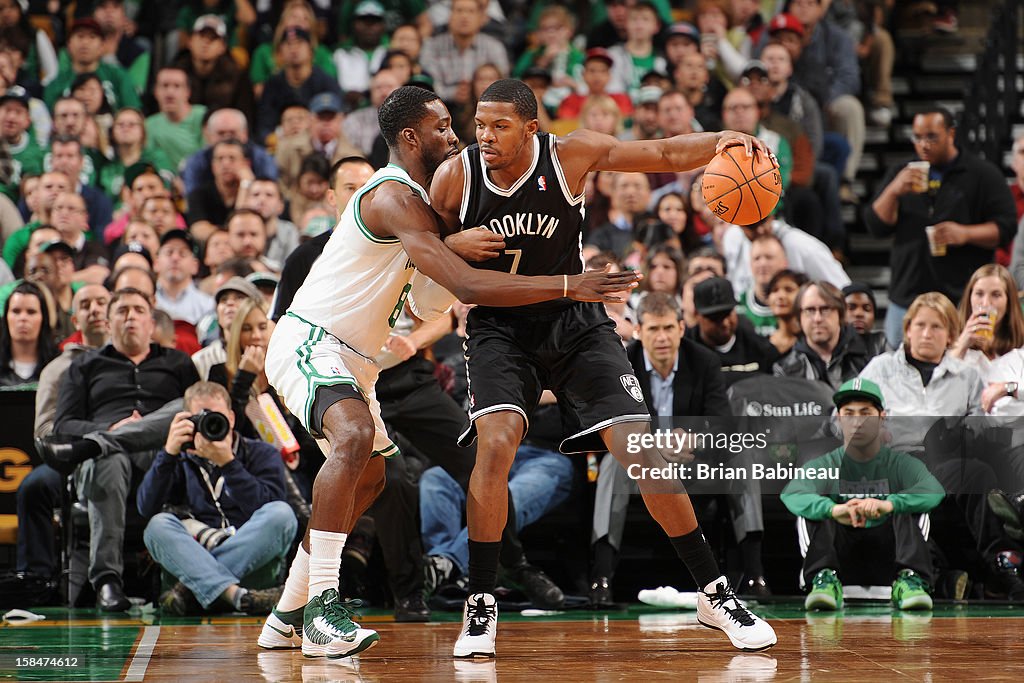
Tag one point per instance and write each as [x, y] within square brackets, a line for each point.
[169, 171]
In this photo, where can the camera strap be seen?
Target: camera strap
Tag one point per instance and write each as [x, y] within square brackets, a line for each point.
[215, 492]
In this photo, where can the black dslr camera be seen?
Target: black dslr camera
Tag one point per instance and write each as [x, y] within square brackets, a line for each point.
[212, 425]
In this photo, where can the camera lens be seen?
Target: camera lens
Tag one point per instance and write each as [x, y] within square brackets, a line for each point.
[214, 426]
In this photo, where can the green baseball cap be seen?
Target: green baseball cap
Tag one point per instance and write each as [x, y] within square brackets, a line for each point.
[862, 389]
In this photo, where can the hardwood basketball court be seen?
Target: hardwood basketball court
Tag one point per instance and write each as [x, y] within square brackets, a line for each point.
[865, 642]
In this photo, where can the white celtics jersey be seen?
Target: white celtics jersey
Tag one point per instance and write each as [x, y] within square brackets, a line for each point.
[357, 289]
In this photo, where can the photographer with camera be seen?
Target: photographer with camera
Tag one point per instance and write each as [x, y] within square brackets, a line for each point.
[235, 493]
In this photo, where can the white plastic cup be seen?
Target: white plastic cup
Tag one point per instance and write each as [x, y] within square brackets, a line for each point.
[921, 182]
[936, 249]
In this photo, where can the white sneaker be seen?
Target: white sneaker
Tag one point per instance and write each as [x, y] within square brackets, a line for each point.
[719, 608]
[282, 630]
[479, 627]
[329, 630]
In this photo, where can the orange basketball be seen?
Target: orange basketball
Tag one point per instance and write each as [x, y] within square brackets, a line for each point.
[739, 189]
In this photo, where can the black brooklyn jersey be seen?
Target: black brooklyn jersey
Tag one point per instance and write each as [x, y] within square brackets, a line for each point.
[539, 218]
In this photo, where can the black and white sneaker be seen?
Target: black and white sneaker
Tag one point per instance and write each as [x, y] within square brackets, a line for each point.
[437, 571]
[479, 627]
[719, 608]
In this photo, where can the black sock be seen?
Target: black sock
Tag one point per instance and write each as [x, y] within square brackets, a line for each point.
[696, 554]
[84, 449]
[512, 555]
[605, 558]
[750, 550]
[483, 566]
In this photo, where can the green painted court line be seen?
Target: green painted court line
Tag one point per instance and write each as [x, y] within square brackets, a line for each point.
[88, 653]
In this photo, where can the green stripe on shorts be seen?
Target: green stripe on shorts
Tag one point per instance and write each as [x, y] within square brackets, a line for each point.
[314, 379]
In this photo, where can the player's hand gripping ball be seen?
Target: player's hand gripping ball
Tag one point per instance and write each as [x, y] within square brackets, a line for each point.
[739, 189]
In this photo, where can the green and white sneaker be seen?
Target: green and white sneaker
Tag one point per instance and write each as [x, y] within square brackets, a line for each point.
[282, 630]
[909, 591]
[826, 592]
[328, 629]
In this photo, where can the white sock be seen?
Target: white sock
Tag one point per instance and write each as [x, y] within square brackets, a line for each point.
[324, 560]
[296, 585]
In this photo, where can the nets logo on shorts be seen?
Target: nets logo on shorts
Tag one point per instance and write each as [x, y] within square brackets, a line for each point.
[632, 387]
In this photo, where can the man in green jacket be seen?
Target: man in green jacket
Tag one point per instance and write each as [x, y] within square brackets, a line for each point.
[875, 515]
[85, 50]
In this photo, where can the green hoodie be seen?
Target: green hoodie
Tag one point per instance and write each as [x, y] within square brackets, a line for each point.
[897, 477]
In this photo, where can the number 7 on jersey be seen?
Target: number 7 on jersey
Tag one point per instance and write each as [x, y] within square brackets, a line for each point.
[516, 255]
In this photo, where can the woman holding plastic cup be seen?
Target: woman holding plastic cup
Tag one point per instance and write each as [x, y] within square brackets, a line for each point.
[993, 324]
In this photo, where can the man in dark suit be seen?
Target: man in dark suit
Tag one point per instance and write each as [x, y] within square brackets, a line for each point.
[678, 377]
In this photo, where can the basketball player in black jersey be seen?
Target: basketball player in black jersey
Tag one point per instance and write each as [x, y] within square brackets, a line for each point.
[527, 188]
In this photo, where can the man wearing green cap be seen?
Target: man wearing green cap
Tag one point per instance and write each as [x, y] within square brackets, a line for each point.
[873, 519]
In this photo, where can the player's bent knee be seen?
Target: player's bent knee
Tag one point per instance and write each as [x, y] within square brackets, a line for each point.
[353, 440]
[498, 443]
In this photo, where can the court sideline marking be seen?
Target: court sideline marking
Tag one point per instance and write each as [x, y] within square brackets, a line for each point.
[140, 659]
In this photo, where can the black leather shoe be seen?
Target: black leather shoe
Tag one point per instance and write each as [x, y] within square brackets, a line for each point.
[65, 456]
[601, 593]
[110, 597]
[538, 587]
[28, 590]
[412, 608]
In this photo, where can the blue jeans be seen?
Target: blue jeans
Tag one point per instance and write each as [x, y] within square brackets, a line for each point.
[539, 481]
[267, 535]
[894, 324]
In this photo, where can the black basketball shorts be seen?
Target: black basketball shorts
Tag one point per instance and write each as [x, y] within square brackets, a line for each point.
[575, 353]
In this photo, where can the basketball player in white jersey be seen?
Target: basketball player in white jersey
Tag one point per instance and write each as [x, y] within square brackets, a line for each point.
[384, 253]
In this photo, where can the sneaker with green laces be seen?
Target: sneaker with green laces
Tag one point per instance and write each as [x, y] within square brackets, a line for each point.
[826, 592]
[909, 591]
[282, 630]
[328, 629]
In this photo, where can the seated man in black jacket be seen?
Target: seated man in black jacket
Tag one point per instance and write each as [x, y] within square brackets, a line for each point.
[106, 389]
[741, 352]
[239, 520]
[827, 350]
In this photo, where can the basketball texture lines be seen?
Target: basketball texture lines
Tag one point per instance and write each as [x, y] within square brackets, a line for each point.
[741, 190]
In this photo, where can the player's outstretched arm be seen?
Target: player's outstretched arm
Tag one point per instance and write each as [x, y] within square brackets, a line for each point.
[416, 225]
[584, 151]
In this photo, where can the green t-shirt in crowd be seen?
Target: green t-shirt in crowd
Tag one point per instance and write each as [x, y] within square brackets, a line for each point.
[117, 86]
[18, 242]
[138, 71]
[27, 157]
[93, 162]
[897, 477]
[111, 177]
[177, 140]
[759, 315]
[262, 65]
